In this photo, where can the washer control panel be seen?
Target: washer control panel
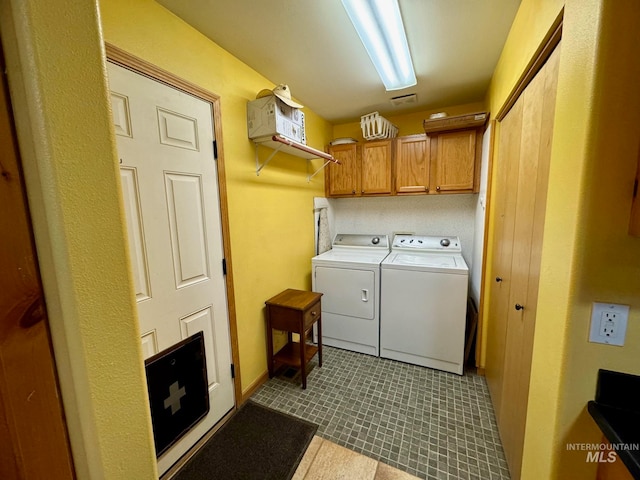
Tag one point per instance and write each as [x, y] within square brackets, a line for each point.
[426, 243]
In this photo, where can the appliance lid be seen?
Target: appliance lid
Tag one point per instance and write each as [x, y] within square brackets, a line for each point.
[441, 263]
[350, 241]
[344, 256]
[426, 243]
[425, 260]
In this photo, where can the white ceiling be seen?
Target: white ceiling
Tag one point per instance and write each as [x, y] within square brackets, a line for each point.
[312, 46]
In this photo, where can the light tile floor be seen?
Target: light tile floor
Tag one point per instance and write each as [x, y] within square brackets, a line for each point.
[425, 422]
[326, 460]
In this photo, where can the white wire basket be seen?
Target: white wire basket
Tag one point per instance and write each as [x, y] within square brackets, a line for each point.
[376, 127]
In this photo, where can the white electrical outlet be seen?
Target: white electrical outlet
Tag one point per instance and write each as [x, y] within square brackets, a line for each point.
[608, 323]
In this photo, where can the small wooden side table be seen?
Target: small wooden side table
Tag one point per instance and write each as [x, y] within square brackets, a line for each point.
[294, 311]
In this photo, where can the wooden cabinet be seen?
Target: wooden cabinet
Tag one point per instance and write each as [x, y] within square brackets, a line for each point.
[455, 160]
[446, 159]
[456, 150]
[365, 169]
[412, 171]
[438, 163]
[343, 180]
[376, 168]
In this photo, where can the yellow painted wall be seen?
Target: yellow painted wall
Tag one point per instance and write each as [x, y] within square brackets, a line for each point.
[587, 254]
[529, 27]
[58, 87]
[607, 259]
[78, 219]
[271, 216]
[532, 22]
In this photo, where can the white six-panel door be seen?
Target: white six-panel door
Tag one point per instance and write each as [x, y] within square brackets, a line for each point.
[170, 193]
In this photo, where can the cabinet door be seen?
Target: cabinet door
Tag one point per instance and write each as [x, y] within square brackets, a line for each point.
[376, 167]
[454, 160]
[412, 164]
[342, 179]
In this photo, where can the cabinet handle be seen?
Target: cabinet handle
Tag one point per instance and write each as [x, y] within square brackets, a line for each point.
[519, 307]
[365, 295]
[438, 188]
[313, 314]
[498, 279]
[361, 191]
[353, 191]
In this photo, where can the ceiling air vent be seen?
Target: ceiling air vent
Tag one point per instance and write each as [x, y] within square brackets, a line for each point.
[404, 99]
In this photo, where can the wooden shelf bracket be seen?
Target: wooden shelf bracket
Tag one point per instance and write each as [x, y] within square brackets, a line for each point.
[281, 144]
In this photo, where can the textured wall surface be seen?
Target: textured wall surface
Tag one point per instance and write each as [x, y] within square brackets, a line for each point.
[420, 214]
[57, 76]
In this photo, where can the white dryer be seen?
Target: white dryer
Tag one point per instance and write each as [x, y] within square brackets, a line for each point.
[423, 302]
[348, 276]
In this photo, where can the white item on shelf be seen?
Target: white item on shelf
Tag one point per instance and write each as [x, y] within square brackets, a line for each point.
[270, 116]
[343, 140]
[438, 115]
[375, 127]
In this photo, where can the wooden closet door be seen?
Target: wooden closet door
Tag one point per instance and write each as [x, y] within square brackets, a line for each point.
[510, 132]
[518, 247]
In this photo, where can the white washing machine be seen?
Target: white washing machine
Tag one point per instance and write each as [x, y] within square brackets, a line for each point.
[348, 276]
[423, 302]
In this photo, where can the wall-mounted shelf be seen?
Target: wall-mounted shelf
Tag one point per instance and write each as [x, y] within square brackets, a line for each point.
[440, 124]
[281, 144]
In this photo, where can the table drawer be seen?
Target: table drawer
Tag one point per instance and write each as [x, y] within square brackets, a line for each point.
[285, 319]
[312, 314]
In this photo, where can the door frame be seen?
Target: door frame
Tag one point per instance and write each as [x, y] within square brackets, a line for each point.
[30, 396]
[126, 60]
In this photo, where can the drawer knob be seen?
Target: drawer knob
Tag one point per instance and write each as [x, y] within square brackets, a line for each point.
[313, 314]
[519, 307]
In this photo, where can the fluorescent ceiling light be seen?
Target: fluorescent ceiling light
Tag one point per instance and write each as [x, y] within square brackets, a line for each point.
[379, 24]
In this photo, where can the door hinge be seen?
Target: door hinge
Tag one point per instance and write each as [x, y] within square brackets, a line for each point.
[224, 266]
[233, 371]
[215, 150]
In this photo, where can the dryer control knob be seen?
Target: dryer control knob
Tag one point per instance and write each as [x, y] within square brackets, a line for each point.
[445, 242]
[375, 240]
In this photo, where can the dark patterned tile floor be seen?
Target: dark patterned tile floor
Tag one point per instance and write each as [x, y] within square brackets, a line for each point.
[431, 424]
